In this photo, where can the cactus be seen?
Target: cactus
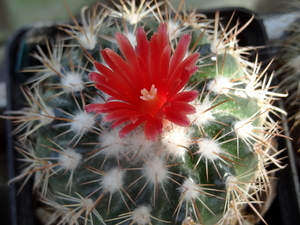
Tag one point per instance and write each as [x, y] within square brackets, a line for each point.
[169, 124]
[288, 74]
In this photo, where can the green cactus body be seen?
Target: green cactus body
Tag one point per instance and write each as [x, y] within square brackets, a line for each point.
[205, 173]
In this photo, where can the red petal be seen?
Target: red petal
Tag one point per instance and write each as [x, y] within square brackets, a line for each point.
[181, 107]
[161, 76]
[127, 49]
[123, 70]
[163, 36]
[120, 114]
[153, 128]
[113, 106]
[103, 70]
[109, 84]
[130, 127]
[180, 51]
[186, 96]
[142, 50]
[93, 108]
[110, 90]
[178, 118]
[178, 83]
[142, 47]
[189, 62]
[158, 43]
[97, 78]
[118, 123]
[155, 53]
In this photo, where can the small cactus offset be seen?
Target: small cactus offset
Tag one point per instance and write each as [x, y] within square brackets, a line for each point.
[147, 114]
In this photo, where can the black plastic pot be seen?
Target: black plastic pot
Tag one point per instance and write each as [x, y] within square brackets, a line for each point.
[20, 46]
[253, 35]
[284, 210]
[286, 207]
[21, 205]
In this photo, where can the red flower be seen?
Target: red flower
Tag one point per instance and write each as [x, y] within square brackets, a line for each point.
[146, 86]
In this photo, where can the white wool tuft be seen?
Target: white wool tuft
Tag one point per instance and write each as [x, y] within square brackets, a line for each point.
[208, 149]
[82, 122]
[201, 117]
[217, 47]
[87, 40]
[114, 145]
[174, 29]
[156, 171]
[141, 215]
[132, 38]
[189, 190]
[48, 111]
[230, 182]
[243, 129]
[72, 82]
[70, 159]
[188, 221]
[241, 93]
[113, 180]
[87, 204]
[176, 140]
[220, 85]
[138, 145]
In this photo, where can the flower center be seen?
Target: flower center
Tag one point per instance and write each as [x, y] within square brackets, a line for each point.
[148, 95]
[152, 101]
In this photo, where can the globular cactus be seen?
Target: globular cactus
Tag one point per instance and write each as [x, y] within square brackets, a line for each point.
[288, 74]
[169, 124]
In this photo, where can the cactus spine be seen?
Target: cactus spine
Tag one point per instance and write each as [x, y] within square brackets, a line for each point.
[169, 137]
[288, 74]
